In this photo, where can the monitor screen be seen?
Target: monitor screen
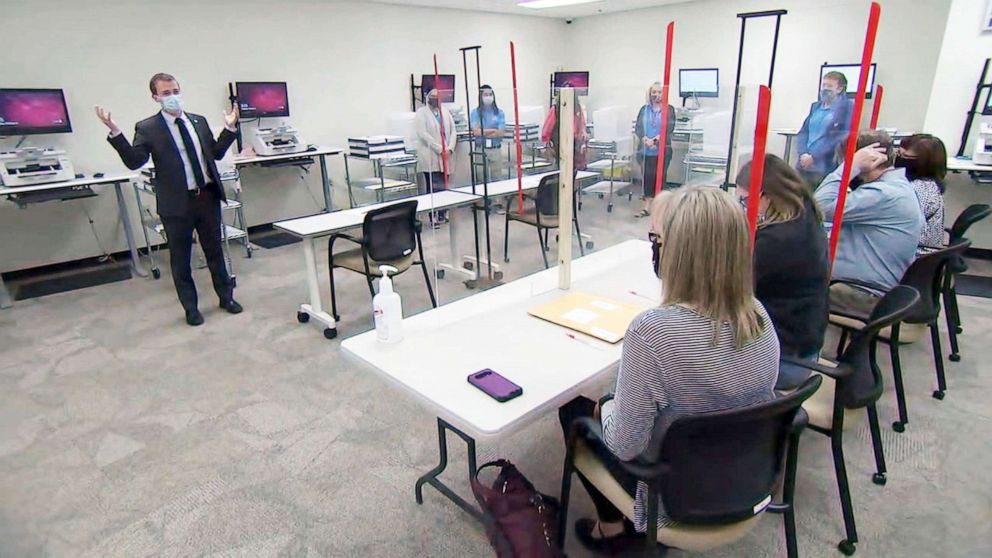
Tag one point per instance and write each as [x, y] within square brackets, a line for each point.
[577, 80]
[852, 72]
[33, 111]
[446, 89]
[262, 99]
[699, 82]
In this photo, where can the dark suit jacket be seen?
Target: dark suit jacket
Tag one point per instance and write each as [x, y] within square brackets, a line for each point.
[823, 148]
[152, 138]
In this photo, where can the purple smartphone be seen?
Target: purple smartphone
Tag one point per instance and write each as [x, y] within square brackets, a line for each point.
[494, 385]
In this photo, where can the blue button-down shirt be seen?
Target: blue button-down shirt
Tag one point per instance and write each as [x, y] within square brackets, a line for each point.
[491, 120]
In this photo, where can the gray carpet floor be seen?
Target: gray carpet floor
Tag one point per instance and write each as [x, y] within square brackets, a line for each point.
[123, 432]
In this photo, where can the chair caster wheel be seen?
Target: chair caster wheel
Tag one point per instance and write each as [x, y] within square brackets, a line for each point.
[955, 357]
[468, 265]
[498, 275]
[249, 254]
[899, 426]
[302, 317]
[337, 317]
[846, 547]
[156, 273]
[938, 395]
[506, 260]
[440, 274]
[879, 479]
[330, 333]
[589, 245]
[958, 330]
[600, 196]
[609, 208]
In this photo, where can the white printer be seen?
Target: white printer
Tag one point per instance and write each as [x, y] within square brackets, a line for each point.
[29, 166]
[276, 141]
[983, 145]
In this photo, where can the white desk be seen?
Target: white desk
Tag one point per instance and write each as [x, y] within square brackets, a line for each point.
[493, 330]
[117, 180]
[309, 229]
[791, 133]
[966, 165]
[321, 153]
[509, 186]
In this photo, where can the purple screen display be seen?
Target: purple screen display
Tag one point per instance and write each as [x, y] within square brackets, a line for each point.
[263, 99]
[446, 88]
[25, 111]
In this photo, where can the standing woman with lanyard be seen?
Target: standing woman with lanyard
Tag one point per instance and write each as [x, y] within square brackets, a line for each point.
[487, 122]
[648, 133]
[430, 148]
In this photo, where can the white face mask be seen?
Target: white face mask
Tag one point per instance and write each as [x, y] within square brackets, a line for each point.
[173, 104]
[488, 100]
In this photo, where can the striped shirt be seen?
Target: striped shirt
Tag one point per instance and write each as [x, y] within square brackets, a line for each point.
[671, 367]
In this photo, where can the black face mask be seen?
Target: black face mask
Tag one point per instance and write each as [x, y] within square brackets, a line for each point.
[856, 182]
[655, 254]
[910, 165]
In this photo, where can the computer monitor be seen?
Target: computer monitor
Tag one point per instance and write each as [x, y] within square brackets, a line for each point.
[446, 89]
[33, 111]
[699, 82]
[577, 80]
[262, 99]
[853, 73]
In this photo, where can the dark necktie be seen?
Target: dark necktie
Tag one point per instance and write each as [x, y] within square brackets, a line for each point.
[191, 151]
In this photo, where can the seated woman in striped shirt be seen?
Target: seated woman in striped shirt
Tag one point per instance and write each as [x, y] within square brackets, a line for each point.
[709, 346]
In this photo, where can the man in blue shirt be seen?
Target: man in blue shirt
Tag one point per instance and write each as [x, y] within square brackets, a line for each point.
[487, 121]
[827, 125]
[881, 227]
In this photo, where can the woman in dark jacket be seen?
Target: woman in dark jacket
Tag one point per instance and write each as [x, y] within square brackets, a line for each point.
[791, 265]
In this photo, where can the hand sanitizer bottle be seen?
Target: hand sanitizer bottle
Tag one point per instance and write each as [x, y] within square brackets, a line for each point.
[387, 309]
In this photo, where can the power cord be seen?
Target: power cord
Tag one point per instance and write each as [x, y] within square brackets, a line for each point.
[303, 176]
[107, 257]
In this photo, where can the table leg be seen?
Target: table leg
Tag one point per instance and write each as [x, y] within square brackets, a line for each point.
[314, 309]
[128, 232]
[431, 476]
[4, 295]
[788, 147]
[325, 184]
[454, 232]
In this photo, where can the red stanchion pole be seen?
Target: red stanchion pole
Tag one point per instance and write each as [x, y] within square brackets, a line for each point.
[758, 161]
[516, 129]
[878, 106]
[444, 143]
[659, 179]
[852, 139]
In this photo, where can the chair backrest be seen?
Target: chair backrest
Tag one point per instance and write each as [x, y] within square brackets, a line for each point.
[390, 232]
[547, 195]
[722, 467]
[926, 276]
[863, 384]
[971, 215]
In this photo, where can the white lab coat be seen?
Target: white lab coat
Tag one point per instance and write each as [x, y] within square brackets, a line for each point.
[429, 139]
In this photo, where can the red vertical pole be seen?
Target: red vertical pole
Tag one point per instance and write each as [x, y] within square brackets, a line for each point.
[516, 129]
[659, 179]
[852, 140]
[758, 161]
[444, 143]
[878, 106]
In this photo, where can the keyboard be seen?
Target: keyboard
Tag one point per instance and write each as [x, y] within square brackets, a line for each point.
[40, 196]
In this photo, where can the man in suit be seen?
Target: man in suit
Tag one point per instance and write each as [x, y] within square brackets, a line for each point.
[188, 188]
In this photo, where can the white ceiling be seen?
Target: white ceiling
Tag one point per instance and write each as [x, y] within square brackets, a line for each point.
[510, 6]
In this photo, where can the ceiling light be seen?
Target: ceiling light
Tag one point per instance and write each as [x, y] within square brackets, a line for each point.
[541, 4]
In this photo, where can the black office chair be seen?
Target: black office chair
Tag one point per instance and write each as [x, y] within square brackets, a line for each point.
[971, 215]
[543, 215]
[390, 235]
[926, 276]
[853, 383]
[714, 472]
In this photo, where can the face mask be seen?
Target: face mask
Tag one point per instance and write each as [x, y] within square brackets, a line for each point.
[856, 182]
[909, 164]
[488, 100]
[828, 95]
[172, 103]
[432, 103]
[743, 202]
[656, 99]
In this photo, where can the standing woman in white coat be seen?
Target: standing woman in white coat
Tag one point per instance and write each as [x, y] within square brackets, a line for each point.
[430, 147]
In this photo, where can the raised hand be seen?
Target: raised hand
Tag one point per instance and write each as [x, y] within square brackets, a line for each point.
[805, 160]
[104, 116]
[869, 158]
[231, 118]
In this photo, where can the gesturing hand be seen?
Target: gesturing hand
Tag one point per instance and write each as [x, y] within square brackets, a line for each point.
[805, 160]
[104, 116]
[231, 118]
[869, 157]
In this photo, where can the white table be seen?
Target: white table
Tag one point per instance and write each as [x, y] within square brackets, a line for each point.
[791, 133]
[320, 153]
[309, 229]
[493, 330]
[966, 164]
[117, 180]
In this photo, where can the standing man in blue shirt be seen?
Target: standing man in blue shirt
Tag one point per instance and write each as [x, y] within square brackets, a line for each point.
[487, 121]
[881, 227]
[826, 126]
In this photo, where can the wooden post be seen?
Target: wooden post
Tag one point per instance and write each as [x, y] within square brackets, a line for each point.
[566, 158]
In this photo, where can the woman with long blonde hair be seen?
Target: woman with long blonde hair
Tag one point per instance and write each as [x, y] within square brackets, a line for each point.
[709, 346]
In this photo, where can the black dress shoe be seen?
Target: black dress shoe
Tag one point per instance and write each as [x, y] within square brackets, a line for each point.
[194, 317]
[592, 538]
[232, 306]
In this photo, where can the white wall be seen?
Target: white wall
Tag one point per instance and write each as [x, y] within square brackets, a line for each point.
[348, 65]
[964, 50]
[625, 51]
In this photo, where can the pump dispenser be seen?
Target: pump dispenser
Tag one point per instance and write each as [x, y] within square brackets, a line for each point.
[387, 309]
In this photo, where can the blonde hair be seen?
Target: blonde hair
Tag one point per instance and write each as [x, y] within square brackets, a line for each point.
[647, 96]
[787, 193]
[706, 260]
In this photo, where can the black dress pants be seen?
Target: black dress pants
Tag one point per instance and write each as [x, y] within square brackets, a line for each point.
[203, 216]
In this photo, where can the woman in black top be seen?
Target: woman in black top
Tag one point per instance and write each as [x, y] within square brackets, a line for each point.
[791, 265]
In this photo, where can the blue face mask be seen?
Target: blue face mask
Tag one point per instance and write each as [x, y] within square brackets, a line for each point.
[172, 103]
[828, 95]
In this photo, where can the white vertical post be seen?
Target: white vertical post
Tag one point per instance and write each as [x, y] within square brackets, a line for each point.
[566, 141]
